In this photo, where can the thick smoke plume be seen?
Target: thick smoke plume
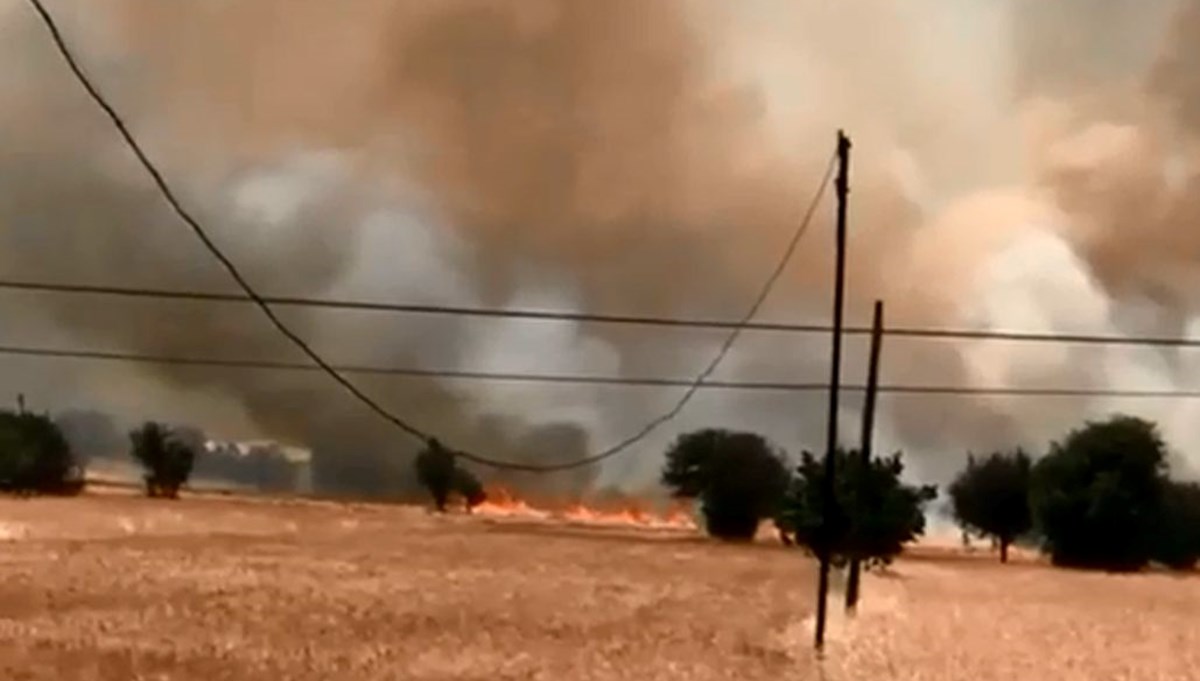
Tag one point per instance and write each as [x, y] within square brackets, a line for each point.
[619, 156]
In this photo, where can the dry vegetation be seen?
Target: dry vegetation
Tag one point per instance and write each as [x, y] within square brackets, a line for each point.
[123, 588]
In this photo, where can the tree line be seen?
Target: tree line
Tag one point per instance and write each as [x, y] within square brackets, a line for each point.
[36, 457]
[741, 479]
[1102, 497]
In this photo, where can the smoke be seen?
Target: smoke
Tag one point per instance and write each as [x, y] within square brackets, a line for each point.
[618, 156]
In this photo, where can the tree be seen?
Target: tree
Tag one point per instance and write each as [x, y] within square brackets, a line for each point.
[1177, 541]
[1098, 495]
[991, 498]
[435, 467]
[467, 486]
[739, 478]
[166, 458]
[875, 513]
[35, 457]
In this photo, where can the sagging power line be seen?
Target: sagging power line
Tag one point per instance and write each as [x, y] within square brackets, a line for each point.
[924, 333]
[580, 379]
[408, 428]
[169, 195]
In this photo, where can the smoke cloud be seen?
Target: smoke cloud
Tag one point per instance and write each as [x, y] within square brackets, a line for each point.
[625, 157]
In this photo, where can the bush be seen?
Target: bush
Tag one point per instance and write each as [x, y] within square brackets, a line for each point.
[1177, 543]
[435, 467]
[739, 478]
[875, 514]
[165, 457]
[1097, 497]
[35, 457]
[991, 498]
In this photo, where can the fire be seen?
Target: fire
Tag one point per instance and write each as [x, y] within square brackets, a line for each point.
[503, 503]
[500, 502]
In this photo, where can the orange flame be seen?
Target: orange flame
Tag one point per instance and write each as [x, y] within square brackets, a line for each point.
[500, 502]
[503, 503]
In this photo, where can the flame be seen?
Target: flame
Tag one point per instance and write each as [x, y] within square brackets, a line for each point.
[500, 502]
[503, 503]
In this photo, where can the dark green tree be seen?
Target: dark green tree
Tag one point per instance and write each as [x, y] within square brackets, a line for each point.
[990, 497]
[1098, 495]
[166, 459]
[740, 479]
[1177, 540]
[35, 457]
[436, 470]
[875, 512]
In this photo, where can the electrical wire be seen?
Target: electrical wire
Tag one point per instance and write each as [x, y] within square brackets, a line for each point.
[199, 231]
[579, 379]
[404, 308]
[941, 334]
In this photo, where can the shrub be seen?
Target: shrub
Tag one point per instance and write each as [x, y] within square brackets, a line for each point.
[435, 467]
[35, 457]
[167, 460]
[1177, 541]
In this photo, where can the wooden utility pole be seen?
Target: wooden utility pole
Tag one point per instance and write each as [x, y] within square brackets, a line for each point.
[868, 433]
[20, 403]
[839, 290]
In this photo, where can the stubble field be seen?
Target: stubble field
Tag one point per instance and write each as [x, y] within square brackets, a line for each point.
[112, 587]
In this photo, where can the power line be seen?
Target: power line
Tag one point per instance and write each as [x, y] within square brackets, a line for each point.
[453, 374]
[763, 294]
[406, 308]
[408, 428]
[1033, 337]
[579, 379]
[198, 230]
[947, 334]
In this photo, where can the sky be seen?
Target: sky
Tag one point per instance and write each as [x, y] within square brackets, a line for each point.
[1017, 165]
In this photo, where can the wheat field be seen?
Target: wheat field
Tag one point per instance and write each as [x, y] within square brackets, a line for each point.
[114, 587]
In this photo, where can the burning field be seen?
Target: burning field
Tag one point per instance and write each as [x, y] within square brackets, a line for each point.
[115, 587]
[628, 513]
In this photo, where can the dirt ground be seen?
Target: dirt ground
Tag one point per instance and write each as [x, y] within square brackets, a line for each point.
[112, 587]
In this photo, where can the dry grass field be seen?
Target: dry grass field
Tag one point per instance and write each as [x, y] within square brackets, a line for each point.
[112, 587]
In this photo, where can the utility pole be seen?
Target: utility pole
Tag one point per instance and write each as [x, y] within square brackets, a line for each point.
[868, 432]
[839, 290]
[20, 403]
